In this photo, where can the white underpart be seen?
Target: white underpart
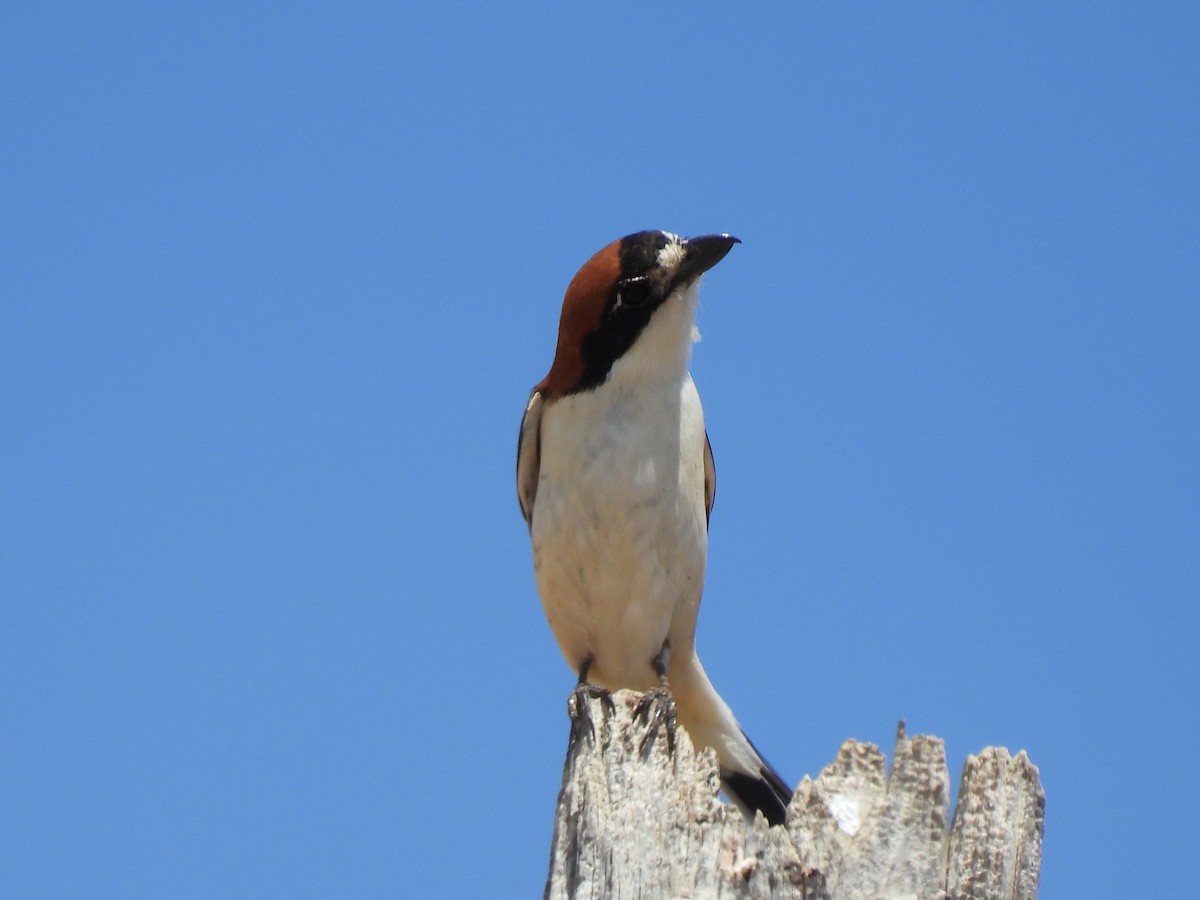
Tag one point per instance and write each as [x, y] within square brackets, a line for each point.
[620, 532]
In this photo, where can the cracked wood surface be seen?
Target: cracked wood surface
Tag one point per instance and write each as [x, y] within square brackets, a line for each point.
[639, 816]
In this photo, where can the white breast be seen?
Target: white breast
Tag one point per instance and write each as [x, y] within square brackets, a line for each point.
[619, 529]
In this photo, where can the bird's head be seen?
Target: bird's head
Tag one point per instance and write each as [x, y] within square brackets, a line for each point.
[619, 299]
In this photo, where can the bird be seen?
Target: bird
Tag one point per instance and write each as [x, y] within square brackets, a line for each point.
[616, 481]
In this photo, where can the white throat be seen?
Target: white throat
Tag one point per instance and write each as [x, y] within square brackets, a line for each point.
[664, 348]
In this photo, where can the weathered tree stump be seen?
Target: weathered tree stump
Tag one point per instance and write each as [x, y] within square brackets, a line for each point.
[639, 816]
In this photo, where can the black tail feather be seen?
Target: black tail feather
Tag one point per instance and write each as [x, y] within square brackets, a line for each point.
[766, 792]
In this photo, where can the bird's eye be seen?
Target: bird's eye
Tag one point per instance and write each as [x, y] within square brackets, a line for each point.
[632, 292]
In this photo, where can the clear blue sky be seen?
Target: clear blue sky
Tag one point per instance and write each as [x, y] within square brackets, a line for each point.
[276, 285]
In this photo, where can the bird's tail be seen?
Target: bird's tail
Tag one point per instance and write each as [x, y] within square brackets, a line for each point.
[747, 778]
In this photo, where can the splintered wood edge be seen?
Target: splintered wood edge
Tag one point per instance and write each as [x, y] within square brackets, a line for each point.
[857, 830]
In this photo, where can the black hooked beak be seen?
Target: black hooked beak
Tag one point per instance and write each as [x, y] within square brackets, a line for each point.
[702, 254]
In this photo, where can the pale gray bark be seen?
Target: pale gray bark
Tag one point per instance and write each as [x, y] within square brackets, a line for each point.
[639, 816]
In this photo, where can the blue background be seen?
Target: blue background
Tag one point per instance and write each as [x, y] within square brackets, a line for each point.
[276, 283]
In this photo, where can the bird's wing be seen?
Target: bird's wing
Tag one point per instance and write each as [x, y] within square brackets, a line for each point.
[710, 478]
[529, 455]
